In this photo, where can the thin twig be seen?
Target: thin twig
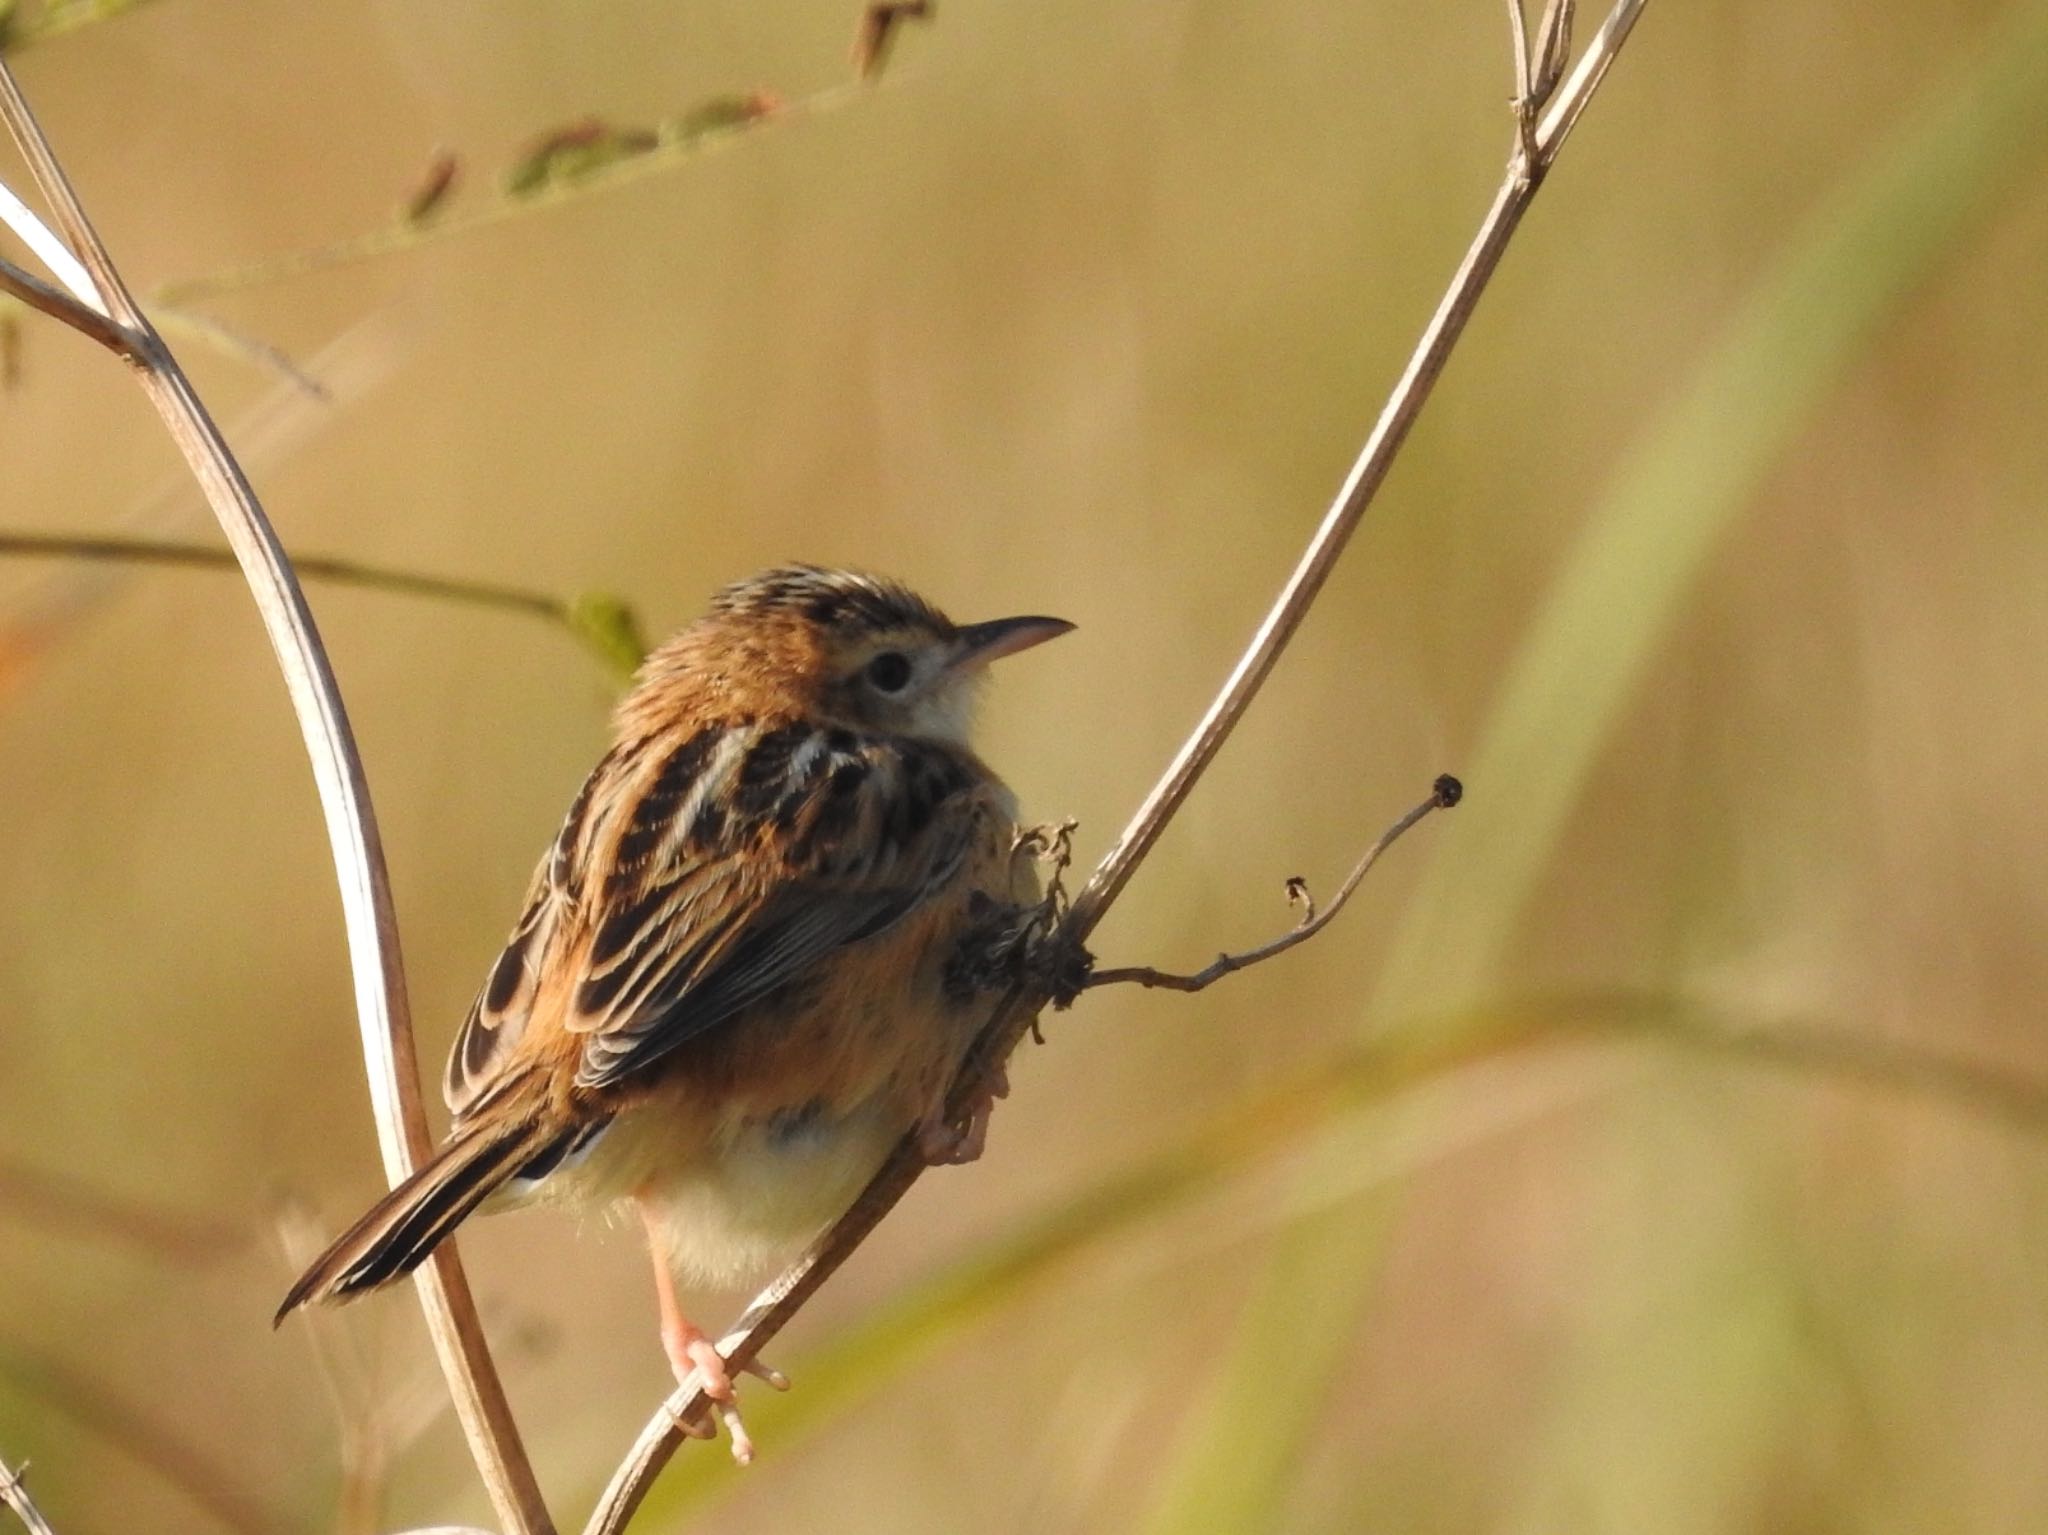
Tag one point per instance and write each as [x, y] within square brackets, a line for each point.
[1360, 485]
[1020, 1005]
[1446, 792]
[359, 863]
[225, 339]
[875, 36]
[1525, 89]
[1553, 47]
[253, 350]
[673, 145]
[1564, 109]
[54, 254]
[59, 305]
[605, 626]
[14, 1493]
[167, 551]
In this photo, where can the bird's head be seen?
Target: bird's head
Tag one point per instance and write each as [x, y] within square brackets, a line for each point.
[858, 650]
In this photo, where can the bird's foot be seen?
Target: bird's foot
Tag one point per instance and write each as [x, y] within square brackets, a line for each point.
[698, 1365]
[953, 1145]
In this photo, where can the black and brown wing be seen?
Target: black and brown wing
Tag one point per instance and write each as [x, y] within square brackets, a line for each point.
[691, 882]
[490, 1036]
[820, 839]
[685, 885]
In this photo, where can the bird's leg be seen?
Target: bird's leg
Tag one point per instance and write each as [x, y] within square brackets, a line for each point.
[947, 1145]
[689, 1348]
[691, 1351]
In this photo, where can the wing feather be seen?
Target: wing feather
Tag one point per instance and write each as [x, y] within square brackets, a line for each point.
[688, 884]
[832, 840]
[497, 1018]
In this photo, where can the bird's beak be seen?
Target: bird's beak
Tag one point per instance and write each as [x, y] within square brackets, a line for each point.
[976, 645]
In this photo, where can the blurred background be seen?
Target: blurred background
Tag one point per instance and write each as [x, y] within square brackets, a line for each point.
[1656, 1144]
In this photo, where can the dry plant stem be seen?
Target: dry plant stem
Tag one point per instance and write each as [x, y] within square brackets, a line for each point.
[1013, 1015]
[337, 768]
[1553, 46]
[253, 350]
[1537, 68]
[1363, 482]
[1446, 794]
[15, 1495]
[1525, 92]
[59, 305]
[403, 235]
[54, 254]
[161, 551]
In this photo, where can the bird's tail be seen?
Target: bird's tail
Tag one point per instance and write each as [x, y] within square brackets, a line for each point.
[398, 1232]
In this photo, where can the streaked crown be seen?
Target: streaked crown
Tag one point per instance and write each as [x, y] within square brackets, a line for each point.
[831, 599]
[839, 646]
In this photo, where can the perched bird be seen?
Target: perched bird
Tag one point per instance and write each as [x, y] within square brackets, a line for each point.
[736, 982]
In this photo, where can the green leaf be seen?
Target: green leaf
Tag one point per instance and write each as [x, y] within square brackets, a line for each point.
[608, 625]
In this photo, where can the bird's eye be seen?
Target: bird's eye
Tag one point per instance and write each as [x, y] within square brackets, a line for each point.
[890, 671]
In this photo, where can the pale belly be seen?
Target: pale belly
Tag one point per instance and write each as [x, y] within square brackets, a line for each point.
[762, 1133]
[732, 1205]
[763, 1189]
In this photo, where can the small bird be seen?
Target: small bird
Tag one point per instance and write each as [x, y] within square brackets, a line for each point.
[737, 979]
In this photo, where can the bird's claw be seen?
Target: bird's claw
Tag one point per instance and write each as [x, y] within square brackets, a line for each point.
[711, 1376]
[954, 1145]
[700, 1367]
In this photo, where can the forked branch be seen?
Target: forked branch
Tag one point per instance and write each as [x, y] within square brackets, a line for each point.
[79, 260]
[1445, 793]
[1552, 115]
[102, 307]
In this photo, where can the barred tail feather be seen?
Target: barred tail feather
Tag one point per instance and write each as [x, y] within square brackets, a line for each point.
[398, 1232]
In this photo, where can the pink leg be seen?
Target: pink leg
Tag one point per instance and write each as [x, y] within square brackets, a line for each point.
[693, 1356]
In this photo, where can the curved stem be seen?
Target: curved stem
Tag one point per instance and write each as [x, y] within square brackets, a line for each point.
[352, 829]
[1020, 1006]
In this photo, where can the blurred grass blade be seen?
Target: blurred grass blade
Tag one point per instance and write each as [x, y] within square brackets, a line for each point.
[36, 1388]
[895, 1338]
[1845, 274]
[62, 1203]
[1303, 1310]
[1857, 260]
[900, 1336]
